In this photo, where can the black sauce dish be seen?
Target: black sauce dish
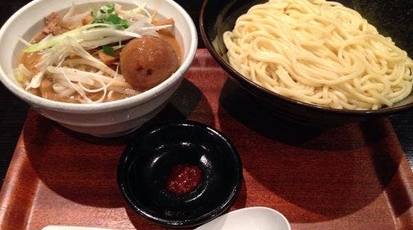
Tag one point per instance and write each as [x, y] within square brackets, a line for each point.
[148, 168]
[218, 16]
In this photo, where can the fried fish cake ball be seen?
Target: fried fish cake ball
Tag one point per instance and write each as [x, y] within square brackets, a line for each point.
[146, 62]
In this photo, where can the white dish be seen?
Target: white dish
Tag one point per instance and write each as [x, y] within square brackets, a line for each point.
[251, 218]
[62, 227]
[257, 218]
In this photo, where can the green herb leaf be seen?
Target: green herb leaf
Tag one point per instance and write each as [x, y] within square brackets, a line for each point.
[111, 8]
[109, 16]
[109, 50]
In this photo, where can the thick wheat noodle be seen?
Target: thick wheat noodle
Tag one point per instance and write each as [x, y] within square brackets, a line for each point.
[319, 52]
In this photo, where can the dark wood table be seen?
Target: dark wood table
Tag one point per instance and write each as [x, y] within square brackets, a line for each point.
[354, 176]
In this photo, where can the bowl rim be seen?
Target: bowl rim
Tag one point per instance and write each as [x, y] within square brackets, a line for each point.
[247, 84]
[127, 158]
[141, 98]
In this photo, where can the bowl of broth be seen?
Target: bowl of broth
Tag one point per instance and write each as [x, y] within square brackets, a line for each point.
[97, 67]
[317, 63]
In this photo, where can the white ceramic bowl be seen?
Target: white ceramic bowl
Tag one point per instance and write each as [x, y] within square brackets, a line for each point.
[104, 119]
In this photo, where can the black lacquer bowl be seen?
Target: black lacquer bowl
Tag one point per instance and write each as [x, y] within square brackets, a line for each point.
[218, 16]
[147, 163]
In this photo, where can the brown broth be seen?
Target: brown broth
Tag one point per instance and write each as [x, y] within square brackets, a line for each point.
[29, 60]
[170, 38]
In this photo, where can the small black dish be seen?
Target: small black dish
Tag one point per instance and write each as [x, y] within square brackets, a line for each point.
[145, 168]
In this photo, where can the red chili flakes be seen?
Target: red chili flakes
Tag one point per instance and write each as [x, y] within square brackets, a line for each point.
[183, 179]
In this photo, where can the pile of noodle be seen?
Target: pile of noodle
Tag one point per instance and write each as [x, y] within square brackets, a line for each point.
[319, 52]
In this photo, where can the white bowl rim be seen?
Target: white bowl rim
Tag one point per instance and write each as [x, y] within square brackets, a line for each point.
[36, 101]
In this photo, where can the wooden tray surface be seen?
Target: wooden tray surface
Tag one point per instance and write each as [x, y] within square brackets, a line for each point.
[353, 176]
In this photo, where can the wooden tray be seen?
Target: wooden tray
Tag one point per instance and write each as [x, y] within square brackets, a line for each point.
[349, 177]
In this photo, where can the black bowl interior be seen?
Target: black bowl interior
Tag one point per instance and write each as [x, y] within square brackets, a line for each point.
[218, 16]
[147, 162]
